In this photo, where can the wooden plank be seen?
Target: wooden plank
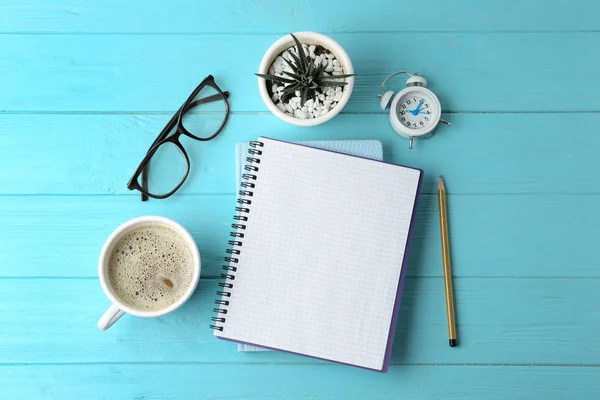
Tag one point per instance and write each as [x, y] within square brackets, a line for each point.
[295, 382]
[183, 16]
[469, 72]
[492, 236]
[480, 153]
[62, 236]
[500, 321]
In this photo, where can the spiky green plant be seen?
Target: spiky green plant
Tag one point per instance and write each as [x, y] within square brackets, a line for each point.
[305, 76]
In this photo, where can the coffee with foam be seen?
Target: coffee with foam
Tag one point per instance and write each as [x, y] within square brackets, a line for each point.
[151, 267]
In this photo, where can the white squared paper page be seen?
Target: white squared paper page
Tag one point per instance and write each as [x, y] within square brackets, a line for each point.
[322, 254]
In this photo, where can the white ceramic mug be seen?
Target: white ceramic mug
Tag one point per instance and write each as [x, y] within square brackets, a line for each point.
[118, 308]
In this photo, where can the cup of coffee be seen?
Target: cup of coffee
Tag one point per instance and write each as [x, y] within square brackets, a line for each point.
[148, 267]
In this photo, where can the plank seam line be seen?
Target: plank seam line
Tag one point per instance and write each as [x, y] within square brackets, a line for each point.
[210, 194]
[308, 364]
[170, 113]
[440, 277]
[282, 33]
[132, 194]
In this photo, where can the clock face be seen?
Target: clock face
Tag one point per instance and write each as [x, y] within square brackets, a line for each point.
[415, 110]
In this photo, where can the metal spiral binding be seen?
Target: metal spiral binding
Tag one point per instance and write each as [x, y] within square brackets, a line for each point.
[232, 258]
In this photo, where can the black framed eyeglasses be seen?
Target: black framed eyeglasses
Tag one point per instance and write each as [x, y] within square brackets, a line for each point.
[171, 164]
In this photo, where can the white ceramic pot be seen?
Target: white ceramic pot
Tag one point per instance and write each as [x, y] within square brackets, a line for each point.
[306, 38]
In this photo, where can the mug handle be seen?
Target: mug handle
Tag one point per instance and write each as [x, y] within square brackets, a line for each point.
[111, 316]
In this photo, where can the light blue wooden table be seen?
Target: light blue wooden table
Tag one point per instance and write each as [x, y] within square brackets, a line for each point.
[85, 88]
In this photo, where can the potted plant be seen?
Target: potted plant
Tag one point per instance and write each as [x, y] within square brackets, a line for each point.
[305, 78]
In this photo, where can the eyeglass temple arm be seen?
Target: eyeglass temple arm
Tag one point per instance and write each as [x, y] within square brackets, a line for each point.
[169, 127]
[209, 99]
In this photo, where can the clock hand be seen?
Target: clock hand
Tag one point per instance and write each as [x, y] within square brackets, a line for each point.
[416, 110]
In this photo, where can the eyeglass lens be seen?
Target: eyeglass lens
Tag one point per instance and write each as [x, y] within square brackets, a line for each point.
[206, 114]
[167, 169]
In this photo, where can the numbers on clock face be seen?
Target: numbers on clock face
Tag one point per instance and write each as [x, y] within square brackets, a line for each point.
[414, 111]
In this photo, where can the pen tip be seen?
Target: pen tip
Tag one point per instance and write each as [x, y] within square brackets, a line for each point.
[452, 342]
[441, 183]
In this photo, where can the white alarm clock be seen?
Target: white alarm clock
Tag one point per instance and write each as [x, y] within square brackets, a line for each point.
[415, 111]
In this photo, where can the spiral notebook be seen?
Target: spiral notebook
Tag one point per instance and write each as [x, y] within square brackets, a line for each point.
[318, 254]
[371, 149]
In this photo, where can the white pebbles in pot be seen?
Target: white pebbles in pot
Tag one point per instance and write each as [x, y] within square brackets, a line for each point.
[326, 98]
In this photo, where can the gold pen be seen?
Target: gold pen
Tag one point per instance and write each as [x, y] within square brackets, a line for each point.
[446, 259]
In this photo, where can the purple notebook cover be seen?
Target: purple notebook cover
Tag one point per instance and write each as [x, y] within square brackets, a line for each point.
[392, 330]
